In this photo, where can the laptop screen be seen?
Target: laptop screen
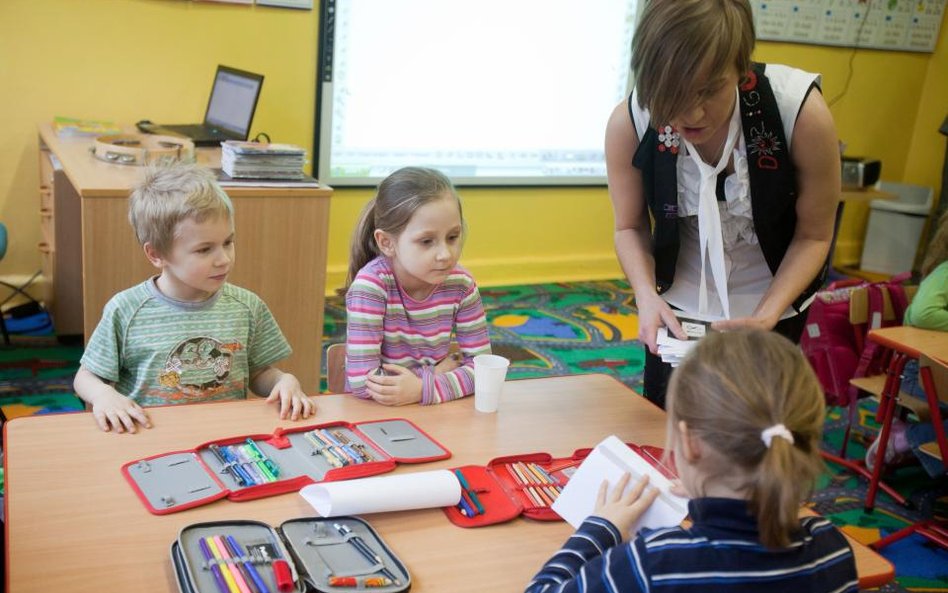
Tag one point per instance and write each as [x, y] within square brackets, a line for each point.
[233, 100]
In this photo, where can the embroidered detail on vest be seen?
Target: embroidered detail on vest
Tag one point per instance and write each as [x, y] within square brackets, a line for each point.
[764, 144]
[668, 139]
[761, 142]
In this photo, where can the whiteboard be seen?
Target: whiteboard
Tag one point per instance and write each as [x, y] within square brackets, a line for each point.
[903, 25]
[491, 92]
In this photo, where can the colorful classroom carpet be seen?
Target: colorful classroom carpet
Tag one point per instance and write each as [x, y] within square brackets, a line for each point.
[36, 377]
[591, 327]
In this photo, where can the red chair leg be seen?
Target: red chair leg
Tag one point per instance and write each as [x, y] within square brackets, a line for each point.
[886, 413]
[859, 468]
[930, 530]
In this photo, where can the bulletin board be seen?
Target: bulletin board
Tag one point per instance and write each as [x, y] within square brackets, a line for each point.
[898, 25]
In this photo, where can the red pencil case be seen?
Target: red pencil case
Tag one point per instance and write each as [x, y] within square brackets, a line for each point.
[253, 466]
[526, 485]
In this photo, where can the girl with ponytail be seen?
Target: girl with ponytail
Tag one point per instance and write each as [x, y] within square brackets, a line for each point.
[407, 298]
[745, 419]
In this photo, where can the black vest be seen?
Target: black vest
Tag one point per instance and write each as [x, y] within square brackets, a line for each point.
[773, 184]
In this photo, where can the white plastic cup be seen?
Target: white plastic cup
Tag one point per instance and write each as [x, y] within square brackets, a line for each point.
[490, 371]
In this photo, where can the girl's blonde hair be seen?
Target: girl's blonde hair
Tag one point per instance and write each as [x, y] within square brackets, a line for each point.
[678, 41]
[169, 194]
[937, 248]
[730, 388]
[398, 197]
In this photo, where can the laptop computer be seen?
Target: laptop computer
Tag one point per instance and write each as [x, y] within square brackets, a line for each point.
[229, 114]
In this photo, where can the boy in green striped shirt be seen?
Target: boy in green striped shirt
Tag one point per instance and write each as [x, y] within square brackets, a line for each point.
[185, 335]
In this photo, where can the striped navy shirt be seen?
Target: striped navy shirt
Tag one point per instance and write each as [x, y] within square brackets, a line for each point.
[721, 551]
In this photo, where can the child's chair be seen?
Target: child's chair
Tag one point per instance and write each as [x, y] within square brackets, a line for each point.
[16, 290]
[861, 319]
[934, 376]
[336, 368]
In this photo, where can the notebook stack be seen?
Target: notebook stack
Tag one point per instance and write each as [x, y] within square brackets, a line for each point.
[256, 160]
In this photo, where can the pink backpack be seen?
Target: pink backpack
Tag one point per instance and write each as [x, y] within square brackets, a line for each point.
[837, 350]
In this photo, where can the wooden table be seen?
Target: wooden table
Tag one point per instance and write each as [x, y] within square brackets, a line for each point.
[281, 235]
[74, 524]
[913, 341]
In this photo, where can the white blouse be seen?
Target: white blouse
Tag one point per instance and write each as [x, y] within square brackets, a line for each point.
[746, 273]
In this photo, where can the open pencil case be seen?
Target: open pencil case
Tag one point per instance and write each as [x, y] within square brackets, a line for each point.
[526, 485]
[301, 555]
[253, 466]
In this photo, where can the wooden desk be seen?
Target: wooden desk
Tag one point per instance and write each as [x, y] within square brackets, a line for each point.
[281, 244]
[913, 341]
[74, 524]
[906, 343]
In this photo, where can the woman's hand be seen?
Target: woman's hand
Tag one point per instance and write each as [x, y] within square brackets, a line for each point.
[653, 313]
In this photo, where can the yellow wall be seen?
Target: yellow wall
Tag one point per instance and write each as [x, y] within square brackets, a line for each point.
[130, 59]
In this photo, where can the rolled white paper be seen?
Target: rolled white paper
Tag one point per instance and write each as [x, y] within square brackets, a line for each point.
[401, 492]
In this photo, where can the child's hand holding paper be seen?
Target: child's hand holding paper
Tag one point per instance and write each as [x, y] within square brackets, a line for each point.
[610, 461]
[622, 506]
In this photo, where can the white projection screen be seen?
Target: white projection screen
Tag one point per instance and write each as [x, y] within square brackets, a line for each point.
[492, 92]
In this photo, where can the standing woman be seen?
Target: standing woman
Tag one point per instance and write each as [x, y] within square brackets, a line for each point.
[724, 177]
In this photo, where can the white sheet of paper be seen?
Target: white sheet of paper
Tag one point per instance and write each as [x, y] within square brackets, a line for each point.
[671, 349]
[608, 461]
[400, 492]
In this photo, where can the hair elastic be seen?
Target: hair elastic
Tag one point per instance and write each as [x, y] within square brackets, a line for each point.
[777, 430]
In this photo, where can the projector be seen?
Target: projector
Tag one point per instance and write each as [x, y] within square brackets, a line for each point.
[860, 172]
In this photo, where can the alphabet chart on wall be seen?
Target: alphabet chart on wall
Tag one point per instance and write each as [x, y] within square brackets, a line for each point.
[900, 25]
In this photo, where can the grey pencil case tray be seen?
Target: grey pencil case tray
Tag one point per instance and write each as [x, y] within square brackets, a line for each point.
[303, 555]
[253, 466]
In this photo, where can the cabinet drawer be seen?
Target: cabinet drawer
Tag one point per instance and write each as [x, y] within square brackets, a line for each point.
[47, 228]
[46, 199]
[47, 263]
[47, 168]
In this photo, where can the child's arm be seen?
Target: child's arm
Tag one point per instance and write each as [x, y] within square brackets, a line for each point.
[592, 559]
[447, 380]
[365, 316]
[470, 330]
[929, 308]
[284, 388]
[111, 409]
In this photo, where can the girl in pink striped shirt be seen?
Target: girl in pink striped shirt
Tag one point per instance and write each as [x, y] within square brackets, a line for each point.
[406, 295]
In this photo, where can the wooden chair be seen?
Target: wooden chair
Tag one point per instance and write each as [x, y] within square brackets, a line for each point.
[859, 318]
[873, 385]
[934, 376]
[336, 368]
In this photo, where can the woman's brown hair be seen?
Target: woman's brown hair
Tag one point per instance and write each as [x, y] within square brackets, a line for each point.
[680, 43]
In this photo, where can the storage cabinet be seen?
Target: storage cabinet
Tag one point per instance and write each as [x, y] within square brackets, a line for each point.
[61, 245]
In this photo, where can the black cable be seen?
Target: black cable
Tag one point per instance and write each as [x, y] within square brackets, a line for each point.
[852, 57]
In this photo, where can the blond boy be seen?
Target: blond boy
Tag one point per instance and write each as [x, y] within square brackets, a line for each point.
[185, 335]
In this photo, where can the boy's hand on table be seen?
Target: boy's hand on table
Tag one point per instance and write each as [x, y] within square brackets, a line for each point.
[294, 404]
[115, 412]
[398, 387]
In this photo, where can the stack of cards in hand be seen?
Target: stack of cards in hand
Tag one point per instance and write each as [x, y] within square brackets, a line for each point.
[671, 349]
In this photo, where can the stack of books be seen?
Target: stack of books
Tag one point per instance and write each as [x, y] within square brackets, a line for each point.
[257, 160]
